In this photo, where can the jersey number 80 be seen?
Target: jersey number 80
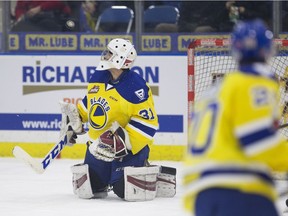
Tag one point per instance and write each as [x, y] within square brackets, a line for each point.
[202, 129]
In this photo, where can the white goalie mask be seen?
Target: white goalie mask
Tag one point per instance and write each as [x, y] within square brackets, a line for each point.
[119, 54]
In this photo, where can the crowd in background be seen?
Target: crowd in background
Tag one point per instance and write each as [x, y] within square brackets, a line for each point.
[195, 16]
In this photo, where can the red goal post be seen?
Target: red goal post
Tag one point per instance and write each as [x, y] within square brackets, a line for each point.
[192, 48]
[210, 59]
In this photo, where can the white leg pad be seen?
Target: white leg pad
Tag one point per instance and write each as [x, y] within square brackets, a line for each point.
[140, 183]
[166, 182]
[81, 181]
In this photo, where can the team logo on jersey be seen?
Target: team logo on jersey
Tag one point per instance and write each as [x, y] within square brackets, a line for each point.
[97, 116]
[94, 89]
[98, 112]
[140, 94]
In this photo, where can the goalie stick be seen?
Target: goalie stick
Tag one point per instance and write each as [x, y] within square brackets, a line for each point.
[41, 166]
[35, 164]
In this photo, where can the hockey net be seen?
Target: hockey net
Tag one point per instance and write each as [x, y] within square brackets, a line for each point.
[210, 59]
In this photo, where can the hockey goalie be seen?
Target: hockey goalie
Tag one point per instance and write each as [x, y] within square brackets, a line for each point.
[119, 109]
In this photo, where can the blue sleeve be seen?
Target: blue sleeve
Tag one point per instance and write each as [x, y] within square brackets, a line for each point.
[134, 88]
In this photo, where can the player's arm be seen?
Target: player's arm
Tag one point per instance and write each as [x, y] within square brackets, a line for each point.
[275, 156]
[257, 129]
[261, 141]
[143, 124]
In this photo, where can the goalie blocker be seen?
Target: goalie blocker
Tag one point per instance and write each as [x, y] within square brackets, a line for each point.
[138, 184]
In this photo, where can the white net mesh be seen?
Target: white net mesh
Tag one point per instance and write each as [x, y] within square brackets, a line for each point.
[213, 62]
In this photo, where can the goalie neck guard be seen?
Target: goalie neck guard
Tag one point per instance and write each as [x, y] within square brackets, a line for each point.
[120, 54]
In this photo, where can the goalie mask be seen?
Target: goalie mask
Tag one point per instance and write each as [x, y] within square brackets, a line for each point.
[119, 54]
[252, 42]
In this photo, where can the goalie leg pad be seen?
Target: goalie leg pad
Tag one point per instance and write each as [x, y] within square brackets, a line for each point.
[140, 183]
[166, 182]
[82, 184]
[81, 181]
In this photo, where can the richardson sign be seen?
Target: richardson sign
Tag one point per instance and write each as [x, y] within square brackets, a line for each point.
[32, 86]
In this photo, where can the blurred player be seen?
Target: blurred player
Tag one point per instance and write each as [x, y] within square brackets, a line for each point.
[122, 123]
[233, 141]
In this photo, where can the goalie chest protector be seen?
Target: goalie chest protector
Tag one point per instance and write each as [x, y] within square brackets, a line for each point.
[128, 97]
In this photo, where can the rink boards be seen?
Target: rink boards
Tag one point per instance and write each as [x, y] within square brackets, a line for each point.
[31, 87]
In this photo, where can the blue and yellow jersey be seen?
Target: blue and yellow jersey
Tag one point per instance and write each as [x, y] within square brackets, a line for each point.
[128, 101]
[233, 138]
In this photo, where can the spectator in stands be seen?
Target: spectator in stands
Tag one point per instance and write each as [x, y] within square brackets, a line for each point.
[75, 7]
[41, 16]
[87, 16]
[245, 10]
[89, 13]
[85, 13]
[220, 16]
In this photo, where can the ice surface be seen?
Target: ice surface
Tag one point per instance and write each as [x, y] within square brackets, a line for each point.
[25, 193]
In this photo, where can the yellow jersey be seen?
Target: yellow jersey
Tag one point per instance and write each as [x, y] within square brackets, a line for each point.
[233, 138]
[128, 100]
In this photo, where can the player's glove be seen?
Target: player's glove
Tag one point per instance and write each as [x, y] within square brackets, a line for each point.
[72, 135]
[71, 124]
[112, 144]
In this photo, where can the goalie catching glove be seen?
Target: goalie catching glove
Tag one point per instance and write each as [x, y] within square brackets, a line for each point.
[112, 144]
[71, 124]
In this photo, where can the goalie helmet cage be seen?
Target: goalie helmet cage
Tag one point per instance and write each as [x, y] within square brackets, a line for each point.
[210, 59]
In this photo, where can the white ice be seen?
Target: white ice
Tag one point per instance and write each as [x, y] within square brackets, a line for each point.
[25, 193]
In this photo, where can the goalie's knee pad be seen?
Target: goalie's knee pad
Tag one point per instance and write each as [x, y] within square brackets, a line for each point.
[140, 183]
[166, 182]
[82, 184]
